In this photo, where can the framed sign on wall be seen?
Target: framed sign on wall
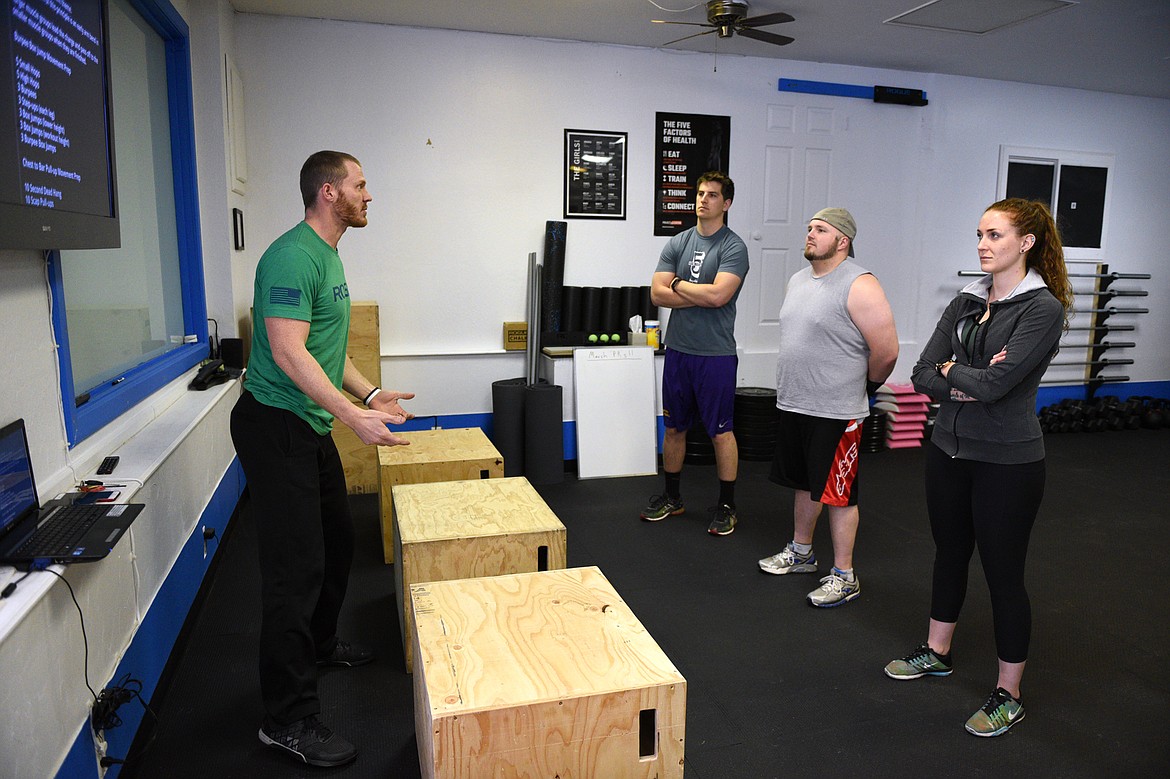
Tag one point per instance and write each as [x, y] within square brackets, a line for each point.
[687, 146]
[595, 175]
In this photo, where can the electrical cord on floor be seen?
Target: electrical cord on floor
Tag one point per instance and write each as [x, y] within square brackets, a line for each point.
[105, 710]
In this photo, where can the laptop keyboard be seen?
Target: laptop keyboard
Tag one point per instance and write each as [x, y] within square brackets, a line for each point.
[58, 536]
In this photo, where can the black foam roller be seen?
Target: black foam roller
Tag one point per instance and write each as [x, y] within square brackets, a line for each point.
[649, 311]
[591, 309]
[611, 309]
[544, 446]
[631, 306]
[553, 276]
[508, 423]
[570, 309]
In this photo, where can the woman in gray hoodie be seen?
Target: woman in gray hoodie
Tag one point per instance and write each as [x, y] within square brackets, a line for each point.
[985, 462]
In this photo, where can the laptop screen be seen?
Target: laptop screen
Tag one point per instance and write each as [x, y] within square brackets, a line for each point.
[18, 494]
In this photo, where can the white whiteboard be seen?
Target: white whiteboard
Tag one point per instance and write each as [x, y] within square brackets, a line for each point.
[616, 411]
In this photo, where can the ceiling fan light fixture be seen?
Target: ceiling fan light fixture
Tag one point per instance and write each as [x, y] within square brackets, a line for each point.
[730, 17]
[726, 12]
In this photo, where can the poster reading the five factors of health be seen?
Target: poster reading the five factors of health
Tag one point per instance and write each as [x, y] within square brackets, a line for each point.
[595, 175]
[688, 146]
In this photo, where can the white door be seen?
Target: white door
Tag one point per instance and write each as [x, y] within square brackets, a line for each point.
[816, 151]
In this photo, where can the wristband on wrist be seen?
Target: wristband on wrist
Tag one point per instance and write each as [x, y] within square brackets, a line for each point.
[674, 283]
[373, 394]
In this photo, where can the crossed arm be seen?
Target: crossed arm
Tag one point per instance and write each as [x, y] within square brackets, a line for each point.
[685, 294]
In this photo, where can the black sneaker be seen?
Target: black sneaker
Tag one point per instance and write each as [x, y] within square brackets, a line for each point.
[723, 521]
[309, 741]
[347, 654]
[662, 506]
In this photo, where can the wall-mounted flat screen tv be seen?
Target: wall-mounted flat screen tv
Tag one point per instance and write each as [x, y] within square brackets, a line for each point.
[57, 175]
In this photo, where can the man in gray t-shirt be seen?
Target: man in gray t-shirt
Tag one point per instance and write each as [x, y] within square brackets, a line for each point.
[837, 339]
[699, 276]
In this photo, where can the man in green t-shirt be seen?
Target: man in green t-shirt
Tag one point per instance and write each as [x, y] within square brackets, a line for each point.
[281, 429]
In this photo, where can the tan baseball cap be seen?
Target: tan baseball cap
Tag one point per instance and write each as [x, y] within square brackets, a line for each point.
[842, 220]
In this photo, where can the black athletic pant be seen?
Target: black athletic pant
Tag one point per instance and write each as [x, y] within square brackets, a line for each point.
[297, 487]
[993, 507]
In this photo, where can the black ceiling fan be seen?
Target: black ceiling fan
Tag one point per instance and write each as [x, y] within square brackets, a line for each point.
[729, 17]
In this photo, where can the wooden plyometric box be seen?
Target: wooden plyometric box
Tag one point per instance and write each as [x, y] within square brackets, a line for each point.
[464, 529]
[433, 455]
[541, 675]
[365, 347]
[360, 460]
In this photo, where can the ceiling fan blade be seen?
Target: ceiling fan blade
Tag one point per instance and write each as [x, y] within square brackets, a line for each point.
[766, 37]
[664, 21]
[765, 20]
[687, 38]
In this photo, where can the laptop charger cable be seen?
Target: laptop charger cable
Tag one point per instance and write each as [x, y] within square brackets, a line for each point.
[11, 586]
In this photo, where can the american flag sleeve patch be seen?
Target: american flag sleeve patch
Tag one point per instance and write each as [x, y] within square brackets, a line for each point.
[284, 296]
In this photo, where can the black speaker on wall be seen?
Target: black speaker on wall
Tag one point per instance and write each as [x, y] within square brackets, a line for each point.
[231, 351]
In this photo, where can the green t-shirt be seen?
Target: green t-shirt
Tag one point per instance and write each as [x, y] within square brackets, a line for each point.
[299, 277]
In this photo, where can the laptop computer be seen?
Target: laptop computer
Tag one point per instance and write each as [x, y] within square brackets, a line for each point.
[32, 535]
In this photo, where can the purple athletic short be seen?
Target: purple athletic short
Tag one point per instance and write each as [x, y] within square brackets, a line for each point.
[699, 386]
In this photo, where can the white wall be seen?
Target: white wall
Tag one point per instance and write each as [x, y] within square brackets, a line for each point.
[461, 138]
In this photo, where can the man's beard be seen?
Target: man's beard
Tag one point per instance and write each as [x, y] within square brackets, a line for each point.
[351, 212]
[811, 257]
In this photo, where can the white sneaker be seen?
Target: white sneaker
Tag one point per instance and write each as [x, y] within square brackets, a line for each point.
[835, 590]
[788, 561]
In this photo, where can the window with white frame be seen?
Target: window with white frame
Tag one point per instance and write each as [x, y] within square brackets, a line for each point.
[1075, 185]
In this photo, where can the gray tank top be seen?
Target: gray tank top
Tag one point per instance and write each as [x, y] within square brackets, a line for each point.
[823, 359]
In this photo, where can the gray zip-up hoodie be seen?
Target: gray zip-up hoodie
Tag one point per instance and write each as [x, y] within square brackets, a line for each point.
[999, 425]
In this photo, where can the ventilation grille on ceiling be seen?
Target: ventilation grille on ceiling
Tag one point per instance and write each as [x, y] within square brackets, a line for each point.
[976, 17]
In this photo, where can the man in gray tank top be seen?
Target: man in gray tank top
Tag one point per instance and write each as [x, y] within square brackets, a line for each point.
[837, 342]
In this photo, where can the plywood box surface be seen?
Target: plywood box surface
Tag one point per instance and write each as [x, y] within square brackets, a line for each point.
[541, 675]
[455, 454]
[466, 529]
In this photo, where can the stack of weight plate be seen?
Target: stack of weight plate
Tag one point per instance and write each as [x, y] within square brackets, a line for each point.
[755, 423]
[873, 431]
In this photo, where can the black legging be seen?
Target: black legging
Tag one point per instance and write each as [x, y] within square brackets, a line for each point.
[993, 506]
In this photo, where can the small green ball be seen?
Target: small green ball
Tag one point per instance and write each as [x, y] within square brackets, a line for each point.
[604, 338]
[593, 338]
[616, 337]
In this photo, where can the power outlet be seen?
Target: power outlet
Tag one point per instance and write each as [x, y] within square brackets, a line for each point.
[208, 535]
